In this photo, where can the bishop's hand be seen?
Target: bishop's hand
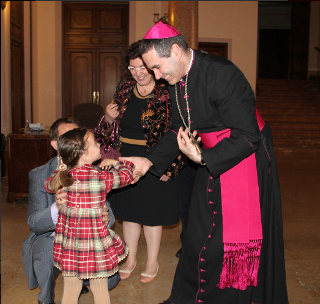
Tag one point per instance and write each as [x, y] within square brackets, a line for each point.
[188, 146]
[141, 166]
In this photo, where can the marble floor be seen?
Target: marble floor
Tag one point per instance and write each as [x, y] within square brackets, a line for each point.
[300, 185]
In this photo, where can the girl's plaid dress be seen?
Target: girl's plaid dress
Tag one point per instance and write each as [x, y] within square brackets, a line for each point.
[83, 245]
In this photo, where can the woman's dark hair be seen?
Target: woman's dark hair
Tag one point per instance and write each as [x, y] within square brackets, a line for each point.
[71, 146]
[133, 52]
[163, 46]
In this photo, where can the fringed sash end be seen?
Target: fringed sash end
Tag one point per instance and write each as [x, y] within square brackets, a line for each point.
[240, 265]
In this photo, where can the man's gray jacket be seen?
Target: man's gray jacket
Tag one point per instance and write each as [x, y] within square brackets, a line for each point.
[39, 215]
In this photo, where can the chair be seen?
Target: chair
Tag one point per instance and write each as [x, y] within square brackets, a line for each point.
[88, 114]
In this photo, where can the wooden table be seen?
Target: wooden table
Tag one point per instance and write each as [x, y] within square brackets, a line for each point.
[26, 150]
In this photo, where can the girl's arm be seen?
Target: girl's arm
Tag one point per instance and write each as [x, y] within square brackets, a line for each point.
[122, 174]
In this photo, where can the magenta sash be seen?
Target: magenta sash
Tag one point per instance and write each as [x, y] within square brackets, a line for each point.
[242, 229]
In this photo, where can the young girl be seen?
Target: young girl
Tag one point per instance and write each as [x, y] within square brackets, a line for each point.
[84, 248]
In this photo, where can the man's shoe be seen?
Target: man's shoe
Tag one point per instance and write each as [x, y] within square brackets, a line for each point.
[178, 253]
[167, 302]
[84, 290]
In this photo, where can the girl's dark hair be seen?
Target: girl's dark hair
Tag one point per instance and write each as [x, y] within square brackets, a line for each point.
[163, 46]
[71, 146]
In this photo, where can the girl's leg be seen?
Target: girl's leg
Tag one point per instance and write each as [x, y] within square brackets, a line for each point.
[131, 234]
[99, 288]
[153, 238]
[71, 290]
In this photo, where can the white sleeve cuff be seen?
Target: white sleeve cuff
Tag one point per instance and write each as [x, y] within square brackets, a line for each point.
[54, 213]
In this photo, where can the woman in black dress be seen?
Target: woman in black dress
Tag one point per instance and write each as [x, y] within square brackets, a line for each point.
[138, 117]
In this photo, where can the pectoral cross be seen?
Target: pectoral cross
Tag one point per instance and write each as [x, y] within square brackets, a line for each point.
[195, 143]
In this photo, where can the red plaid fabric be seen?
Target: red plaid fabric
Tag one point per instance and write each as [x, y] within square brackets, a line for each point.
[83, 246]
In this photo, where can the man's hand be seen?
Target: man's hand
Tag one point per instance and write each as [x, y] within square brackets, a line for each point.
[141, 165]
[61, 197]
[187, 147]
[105, 215]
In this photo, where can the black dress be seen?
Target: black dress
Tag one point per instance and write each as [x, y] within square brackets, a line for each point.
[220, 97]
[150, 201]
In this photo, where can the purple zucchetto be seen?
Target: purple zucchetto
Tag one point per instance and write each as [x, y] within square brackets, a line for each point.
[161, 30]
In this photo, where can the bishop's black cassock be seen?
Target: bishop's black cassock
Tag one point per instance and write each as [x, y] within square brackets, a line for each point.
[221, 98]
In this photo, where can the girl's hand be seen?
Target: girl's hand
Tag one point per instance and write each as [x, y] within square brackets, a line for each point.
[112, 112]
[164, 178]
[108, 163]
[61, 197]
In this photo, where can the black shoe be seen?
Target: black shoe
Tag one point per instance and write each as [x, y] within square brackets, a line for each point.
[178, 254]
[167, 301]
[84, 290]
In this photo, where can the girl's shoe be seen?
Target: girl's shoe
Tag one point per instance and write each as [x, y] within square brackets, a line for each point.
[125, 274]
[146, 278]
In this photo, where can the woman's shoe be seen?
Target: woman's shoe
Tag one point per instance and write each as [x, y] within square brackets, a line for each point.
[125, 274]
[146, 278]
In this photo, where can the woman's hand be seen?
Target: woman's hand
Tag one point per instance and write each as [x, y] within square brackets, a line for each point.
[164, 178]
[112, 112]
[108, 163]
[61, 197]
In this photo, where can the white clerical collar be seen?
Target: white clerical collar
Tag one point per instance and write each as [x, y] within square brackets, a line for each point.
[190, 64]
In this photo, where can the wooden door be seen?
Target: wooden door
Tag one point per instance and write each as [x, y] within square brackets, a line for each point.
[79, 80]
[95, 44]
[110, 72]
[17, 65]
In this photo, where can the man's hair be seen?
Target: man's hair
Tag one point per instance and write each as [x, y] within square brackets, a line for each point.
[54, 127]
[163, 46]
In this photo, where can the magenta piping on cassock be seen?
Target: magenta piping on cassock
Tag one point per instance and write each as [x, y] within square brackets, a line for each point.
[173, 131]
